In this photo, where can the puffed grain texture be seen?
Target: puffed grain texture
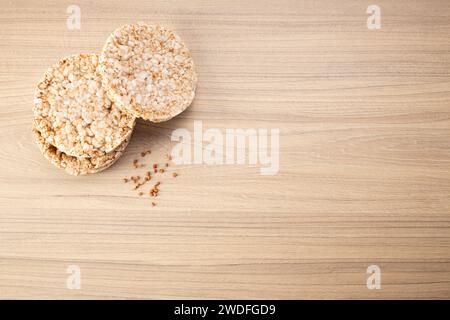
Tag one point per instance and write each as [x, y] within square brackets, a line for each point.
[73, 165]
[73, 112]
[148, 71]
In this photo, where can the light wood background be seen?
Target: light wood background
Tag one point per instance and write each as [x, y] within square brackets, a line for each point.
[364, 176]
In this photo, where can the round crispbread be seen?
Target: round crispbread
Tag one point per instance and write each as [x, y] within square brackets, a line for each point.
[73, 165]
[148, 71]
[73, 112]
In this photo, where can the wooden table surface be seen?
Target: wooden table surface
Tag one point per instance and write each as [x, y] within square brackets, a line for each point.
[364, 177]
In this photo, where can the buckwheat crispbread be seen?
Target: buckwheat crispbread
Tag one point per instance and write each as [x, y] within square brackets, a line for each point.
[73, 113]
[148, 71]
[73, 165]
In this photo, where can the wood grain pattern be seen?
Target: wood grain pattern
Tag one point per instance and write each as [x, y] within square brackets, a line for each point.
[364, 178]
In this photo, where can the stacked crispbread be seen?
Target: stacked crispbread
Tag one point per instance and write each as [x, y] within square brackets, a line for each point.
[86, 105]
